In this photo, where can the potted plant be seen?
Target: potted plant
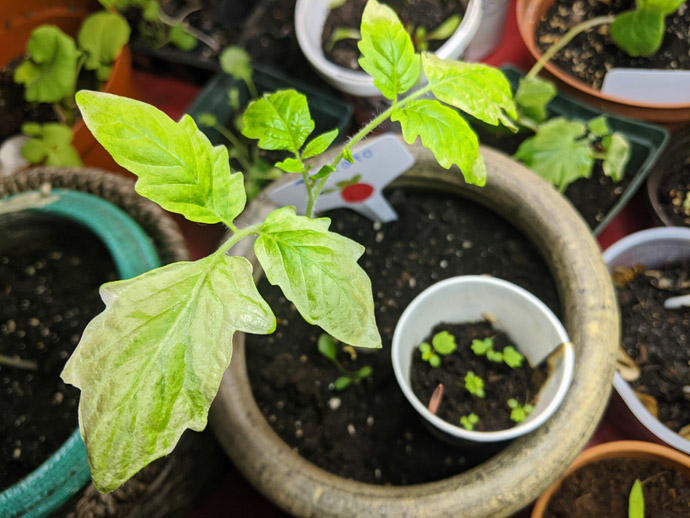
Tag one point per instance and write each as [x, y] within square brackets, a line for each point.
[623, 478]
[310, 17]
[667, 185]
[626, 34]
[651, 265]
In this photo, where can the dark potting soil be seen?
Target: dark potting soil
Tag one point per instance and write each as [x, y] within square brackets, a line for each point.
[415, 13]
[602, 489]
[369, 432]
[593, 197]
[591, 54]
[674, 190]
[50, 271]
[501, 382]
[658, 339]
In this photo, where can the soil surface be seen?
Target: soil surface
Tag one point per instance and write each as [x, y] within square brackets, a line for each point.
[602, 489]
[50, 271]
[368, 431]
[674, 190]
[658, 339]
[591, 54]
[501, 382]
[415, 13]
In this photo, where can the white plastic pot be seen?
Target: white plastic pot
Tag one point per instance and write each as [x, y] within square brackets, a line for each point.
[652, 248]
[310, 17]
[527, 320]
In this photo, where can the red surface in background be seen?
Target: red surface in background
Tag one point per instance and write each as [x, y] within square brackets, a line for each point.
[235, 496]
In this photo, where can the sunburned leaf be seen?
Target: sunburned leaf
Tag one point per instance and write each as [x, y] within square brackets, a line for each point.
[177, 166]
[558, 153]
[50, 73]
[639, 32]
[102, 36]
[291, 165]
[150, 365]
[51, 145]
[477, 89]
[618, 152]
[387, 51]
[444, 343]
[533, 96]
[318, 272]
[446, 134]
[180, 38]
[319, 144]
[235, 61]
[281, 121]
[512, 357]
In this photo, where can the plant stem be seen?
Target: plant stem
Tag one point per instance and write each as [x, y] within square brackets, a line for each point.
[251, 86]
[243, 155]
[18, 363]
[567, 38]
[202, 37]
[237, 236]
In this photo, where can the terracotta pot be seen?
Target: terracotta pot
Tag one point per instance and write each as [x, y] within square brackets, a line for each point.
[678, 152]
[529, 464]
[673, 116]
[618, 450]
[15, 34]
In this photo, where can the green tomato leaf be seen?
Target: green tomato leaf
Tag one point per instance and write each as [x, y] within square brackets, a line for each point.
[327, 347]
[599, 126]
[50, 74]
[444, 343]
[445, 133]
[281, 121]
[618, 152]
[342, 383]
[181, 39]
[533, 96]
[639, 32]
[512, 357]
[318, 272]
[477, 89]
[319, 144]
[387, 51]
[177, 166]
[324, 171]
[51, 145]
[102, 36]
[235, 61]
[150, 365]
[558, 153]
[347, 155]
[291, 165]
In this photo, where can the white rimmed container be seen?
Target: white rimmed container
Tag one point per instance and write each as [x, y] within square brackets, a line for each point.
[652, 248]
[529, 322]
[310, 17]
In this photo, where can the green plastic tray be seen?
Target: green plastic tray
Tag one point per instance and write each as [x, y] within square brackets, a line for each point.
[647, 140]
[327, 111]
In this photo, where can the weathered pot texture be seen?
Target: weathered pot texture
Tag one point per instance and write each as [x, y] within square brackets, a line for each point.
[68, 16]
[529, 464]
[672, 115]
[638, 450]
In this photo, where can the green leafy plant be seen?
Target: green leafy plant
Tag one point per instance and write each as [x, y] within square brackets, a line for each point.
[636, 501]
[328, 349]
[468, 422]
[518, 412]
[474, 384]
[509, 355]
[151, 363]
[50, 143]
[443, 343]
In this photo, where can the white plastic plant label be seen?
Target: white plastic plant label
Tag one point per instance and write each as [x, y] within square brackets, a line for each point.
[650, 86]
[357, 185]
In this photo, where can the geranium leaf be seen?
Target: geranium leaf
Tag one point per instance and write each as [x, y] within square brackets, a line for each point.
[318, 272]
[319, 144]
[51, 144]
[235, 61]
[445, 133]
[177, 166]
[639, 32]
[102, 36]
[533, 96]
[444, 343]
[281, 121]
[50, 73]
[387, 51]
[598, 126]
[150, 365]
[617, 155]
[477, 89]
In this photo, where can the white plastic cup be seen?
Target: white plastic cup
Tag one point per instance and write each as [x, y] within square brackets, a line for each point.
[491, 30]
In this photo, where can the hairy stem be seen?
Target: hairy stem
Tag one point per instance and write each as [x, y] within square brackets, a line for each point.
[237, 144]
[567, 38]
[201, 36]
[237, 235]
[12, 361]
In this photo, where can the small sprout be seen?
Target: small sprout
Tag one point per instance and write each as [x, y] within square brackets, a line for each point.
[494, 356]
[328, 349]
[519, 412]
[474, 384]
[512, 357]
[636, 501]
[468, 422]
[443, 343]
[480, 347]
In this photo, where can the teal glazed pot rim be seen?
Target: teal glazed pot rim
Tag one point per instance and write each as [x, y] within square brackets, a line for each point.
[65, 472]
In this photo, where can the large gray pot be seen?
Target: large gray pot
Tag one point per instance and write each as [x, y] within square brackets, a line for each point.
[518, 474]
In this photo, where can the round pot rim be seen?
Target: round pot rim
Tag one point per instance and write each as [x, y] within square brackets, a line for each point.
[610, 450]
[528, 299]
[357, 82]
[677, 149]
[527, 28]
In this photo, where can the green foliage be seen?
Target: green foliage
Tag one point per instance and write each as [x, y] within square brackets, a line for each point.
[640, 32]
[509, 355]
[481, 347]
[443, 344]
[518, 412]
[50, 144]
[512, 357]
[180, 38]
[636, 501]
[328, 349]
[468, 422]
[474, 384]
[101, 38]
[235, 61]
[533, 96]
